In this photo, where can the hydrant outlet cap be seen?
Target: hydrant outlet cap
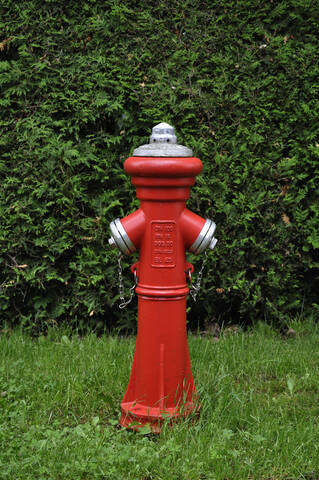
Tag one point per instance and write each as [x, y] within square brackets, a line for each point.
[205, 238]
[163, 143]
[120, 238]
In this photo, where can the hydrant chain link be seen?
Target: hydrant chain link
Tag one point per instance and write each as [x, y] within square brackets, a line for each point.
[124, 302]
[195, 288]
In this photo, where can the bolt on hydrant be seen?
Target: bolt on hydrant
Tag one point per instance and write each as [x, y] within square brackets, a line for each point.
[162, 229]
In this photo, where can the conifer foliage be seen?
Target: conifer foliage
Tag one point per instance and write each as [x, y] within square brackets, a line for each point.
[82, 84]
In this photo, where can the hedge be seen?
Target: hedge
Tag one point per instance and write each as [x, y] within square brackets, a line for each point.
[82, 85]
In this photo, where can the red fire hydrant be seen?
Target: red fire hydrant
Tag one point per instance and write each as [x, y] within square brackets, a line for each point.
[161, 383]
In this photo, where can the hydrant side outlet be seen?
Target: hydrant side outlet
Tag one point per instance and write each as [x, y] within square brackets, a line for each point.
[161, 382]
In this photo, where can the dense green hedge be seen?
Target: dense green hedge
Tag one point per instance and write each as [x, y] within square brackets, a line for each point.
[82, 84]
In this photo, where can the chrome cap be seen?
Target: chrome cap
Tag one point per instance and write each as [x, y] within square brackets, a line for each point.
[163, 143]
[205, 238]
[163, 133]
[120, 238]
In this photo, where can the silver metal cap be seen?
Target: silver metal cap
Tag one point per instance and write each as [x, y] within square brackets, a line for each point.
[120, 238]
[163, 143]
[205, 238]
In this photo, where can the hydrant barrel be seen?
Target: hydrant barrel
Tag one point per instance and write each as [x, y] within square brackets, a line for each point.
[162, 229]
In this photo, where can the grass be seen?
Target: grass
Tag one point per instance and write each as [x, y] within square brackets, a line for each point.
[60, 396]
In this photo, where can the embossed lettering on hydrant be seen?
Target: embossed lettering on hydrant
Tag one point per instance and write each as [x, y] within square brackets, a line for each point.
[163, 244]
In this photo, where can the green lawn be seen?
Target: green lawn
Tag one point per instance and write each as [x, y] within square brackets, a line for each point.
[60, 397]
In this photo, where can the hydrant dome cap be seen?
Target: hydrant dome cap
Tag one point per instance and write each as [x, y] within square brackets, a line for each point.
[163, 143]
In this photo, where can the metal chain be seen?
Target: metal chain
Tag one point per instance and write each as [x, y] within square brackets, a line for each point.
[124, 302]
[195, 288]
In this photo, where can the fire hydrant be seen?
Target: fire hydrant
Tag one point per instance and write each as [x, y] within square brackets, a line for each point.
[162, 229]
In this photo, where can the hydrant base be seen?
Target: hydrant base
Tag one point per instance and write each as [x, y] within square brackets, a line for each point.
[135, 415]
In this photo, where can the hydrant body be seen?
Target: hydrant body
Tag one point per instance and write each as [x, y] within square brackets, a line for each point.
[162, 229]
